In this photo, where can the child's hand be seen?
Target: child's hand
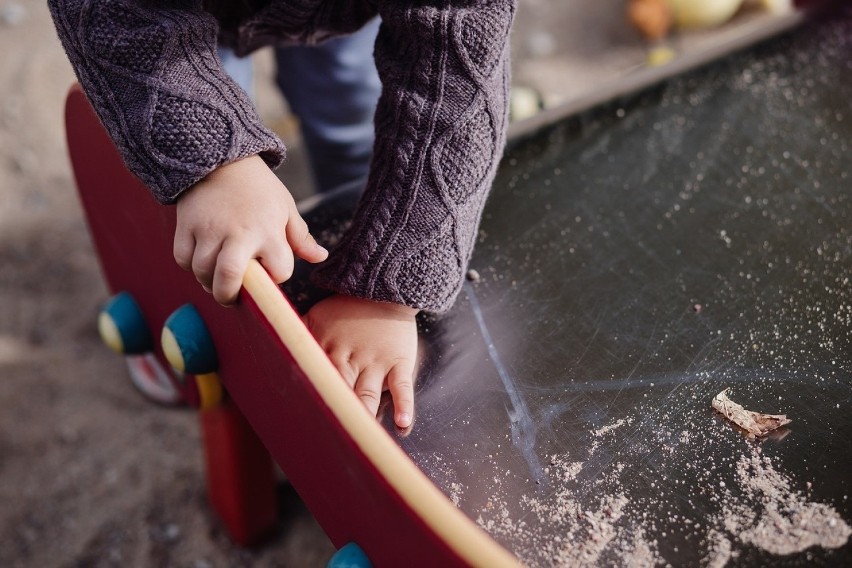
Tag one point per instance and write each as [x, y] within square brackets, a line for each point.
[373, 345]
[239, 212]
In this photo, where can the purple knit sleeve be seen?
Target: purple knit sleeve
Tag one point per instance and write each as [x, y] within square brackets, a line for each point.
[153, 76]
[440, 132]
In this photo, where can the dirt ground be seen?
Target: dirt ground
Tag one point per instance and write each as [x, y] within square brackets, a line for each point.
[91, 474]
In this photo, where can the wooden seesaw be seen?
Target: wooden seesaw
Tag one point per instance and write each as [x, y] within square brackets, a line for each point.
[264, 385]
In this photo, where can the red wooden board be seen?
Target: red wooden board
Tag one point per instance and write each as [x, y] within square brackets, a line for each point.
[341, 485]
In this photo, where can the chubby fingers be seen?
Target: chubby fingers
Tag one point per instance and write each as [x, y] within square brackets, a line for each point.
[277, 259]
[184, 246]
[220, 267]
[204, 262]
[341, 359]
[233, 259]
[369, 388]
[401, 387]
[201, 254]
[301, 240]
[231, 264]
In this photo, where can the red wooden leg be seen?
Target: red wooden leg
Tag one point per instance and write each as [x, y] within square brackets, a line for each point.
[240, 474]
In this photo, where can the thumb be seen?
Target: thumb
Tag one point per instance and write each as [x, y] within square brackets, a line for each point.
[302, 242]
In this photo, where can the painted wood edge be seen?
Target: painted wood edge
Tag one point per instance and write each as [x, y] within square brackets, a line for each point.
[455, 528]
[749, 34]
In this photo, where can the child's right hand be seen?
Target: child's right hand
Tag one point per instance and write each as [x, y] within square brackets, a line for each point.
[240, 211]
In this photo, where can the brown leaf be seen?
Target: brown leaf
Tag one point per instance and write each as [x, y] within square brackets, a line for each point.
[755, 424]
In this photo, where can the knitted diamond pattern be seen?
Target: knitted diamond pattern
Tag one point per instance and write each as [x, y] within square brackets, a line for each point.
[423, 275]
[476, 38]
[478, 138]
[189, 131]
[440, 134]
[154, 80]
[149, 67]
[137, 48]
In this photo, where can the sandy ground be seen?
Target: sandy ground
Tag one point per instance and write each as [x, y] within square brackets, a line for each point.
[91, 473]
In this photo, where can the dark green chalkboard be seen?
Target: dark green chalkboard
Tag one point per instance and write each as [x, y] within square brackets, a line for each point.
[634, 262]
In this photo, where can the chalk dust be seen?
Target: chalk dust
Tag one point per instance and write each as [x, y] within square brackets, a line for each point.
[612, 427]
[772, 516]
[442, 474]
[580, 531]
[674, 486]
[720, 550]
[455, 493]
[598, 517]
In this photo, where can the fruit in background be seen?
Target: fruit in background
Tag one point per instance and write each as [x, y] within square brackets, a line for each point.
[660, 55]
[653, 18]
[703, 13]
[524, 102]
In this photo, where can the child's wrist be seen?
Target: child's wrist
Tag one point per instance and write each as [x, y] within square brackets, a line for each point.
[387, 307]
[402, 309]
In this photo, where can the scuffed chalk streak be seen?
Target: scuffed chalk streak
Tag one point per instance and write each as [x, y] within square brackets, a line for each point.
[524, 428]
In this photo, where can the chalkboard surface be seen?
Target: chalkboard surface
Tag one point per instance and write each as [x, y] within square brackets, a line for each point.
[633, 263]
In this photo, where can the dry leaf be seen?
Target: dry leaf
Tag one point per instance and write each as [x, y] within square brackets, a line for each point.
[755, 424]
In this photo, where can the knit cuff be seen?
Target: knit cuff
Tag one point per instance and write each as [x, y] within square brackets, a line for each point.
[155, 81]
[440, 132]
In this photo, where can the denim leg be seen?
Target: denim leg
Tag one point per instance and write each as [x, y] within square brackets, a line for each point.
[333, 88]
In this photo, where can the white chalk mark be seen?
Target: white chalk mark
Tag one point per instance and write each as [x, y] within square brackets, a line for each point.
[521, 422]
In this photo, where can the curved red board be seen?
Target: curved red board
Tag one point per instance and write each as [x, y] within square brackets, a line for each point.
[342, 487]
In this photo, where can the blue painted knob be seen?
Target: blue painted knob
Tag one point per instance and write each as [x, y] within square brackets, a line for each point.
[187, 344]
[122, 326]
[350, 556]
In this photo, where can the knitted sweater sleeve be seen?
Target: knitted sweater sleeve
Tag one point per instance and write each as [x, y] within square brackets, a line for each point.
[153, 76]
[440, 132]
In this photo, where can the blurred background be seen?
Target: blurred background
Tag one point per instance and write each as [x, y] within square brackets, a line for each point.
[91, 473]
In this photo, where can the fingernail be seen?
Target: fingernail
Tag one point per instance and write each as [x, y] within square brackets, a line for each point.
[315, 243]
[403, 420]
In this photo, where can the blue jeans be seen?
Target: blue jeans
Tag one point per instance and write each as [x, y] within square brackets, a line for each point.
[333, 89]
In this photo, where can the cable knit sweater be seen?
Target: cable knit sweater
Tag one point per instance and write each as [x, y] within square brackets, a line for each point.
[150, 69]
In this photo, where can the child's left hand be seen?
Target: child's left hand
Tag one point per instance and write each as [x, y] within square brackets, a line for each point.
[374, 347]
